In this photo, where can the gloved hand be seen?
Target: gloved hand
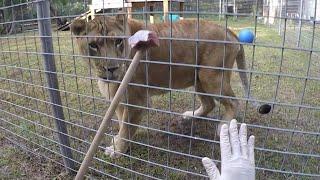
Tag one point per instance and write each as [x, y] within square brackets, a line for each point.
[237, 155]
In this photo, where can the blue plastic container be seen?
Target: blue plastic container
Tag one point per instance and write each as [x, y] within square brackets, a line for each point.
[173, 17]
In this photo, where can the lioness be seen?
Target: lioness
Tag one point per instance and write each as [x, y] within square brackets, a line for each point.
[103, 37]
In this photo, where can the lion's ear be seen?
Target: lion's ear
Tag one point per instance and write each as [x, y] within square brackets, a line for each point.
[78, 26]
[121, 17]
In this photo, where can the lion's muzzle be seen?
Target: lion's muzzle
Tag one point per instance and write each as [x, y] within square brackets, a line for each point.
[112, 73]
[112, 69]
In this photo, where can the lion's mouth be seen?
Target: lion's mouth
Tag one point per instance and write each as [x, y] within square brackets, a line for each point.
[104, 78]
[109, 77]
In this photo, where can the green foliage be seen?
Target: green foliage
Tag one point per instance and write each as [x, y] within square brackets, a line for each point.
[72, 9]
[11, 2]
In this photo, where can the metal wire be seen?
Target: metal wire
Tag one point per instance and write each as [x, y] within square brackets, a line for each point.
[154, 109]
[160, 151]
[191, 92]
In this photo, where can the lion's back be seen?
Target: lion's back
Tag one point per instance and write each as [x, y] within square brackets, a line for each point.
[190, 29]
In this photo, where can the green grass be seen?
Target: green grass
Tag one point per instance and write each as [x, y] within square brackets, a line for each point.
[18, 164]
[263, 87]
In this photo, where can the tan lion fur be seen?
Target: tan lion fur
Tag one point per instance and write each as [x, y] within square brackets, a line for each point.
[185, 54]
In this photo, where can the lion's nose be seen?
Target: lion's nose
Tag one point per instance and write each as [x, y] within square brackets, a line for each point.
[112, 69]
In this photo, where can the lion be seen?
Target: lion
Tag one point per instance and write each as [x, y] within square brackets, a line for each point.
[202, 58]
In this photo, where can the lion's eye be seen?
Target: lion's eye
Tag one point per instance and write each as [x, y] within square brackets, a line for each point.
[119, 43]
[93, 45]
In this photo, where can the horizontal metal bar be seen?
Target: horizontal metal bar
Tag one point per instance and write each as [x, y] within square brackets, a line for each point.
[311, 107]
[258, 168]
[19, 145]
[155, 62]
[257, 44]
[203, 13]
[94, 130]
[288, 172]
[183, 91]
[154, 109]
[20, 4]
[82, 153]
[54, 152]
[172, 168]
[148, 108]
[192, 137]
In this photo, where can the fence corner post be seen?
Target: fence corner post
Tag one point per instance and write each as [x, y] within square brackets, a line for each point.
[45, 33]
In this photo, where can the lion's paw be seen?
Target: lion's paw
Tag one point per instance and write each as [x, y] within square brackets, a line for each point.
[188, 115]
[112, 152]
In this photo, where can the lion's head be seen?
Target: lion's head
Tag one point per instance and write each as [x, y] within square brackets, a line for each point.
[103, 39]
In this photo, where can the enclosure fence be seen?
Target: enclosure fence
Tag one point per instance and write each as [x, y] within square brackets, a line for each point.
[51, 106]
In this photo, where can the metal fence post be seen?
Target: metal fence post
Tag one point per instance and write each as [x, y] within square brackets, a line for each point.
[280, 18]
[44, 25]
[300, 23]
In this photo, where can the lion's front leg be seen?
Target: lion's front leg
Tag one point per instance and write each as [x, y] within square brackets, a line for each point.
[119, 113]
[127, 131]
[131, 115]
[207, 104]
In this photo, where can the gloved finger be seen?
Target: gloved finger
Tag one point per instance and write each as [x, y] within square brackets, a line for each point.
[211, 169]
[234, 138]
[225, 147]
[243, 140]
[251, 149]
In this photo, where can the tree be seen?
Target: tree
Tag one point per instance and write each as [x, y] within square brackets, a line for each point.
[54, 11]
[11, 14]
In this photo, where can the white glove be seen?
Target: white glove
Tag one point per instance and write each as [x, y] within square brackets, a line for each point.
[237, 155]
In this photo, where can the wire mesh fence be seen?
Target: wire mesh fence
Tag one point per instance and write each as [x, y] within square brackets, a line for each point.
[283, 67]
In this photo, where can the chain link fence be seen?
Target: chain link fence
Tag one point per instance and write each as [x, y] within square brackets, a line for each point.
[51, 105]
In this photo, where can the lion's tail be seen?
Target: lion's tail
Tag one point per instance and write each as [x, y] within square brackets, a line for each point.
[241, 63]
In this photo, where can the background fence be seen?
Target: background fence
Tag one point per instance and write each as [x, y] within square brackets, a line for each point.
[284, 69]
